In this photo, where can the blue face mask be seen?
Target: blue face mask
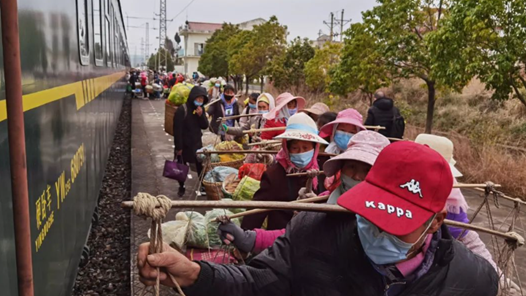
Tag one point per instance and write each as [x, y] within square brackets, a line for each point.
[348, 182]
[301, 160]
[342, 139]
[263, 111]
[381, 247]
[252, 106]
[197, 104]
[293, 111]
[218, 84]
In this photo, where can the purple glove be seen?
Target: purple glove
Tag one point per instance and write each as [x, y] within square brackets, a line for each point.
[241, 239]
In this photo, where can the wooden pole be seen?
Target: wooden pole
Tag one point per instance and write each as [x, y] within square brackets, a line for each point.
[514, 199]
[237, 116]
[282, 128]
[309, 207]
[257, 211]
[253, 151]
[271, 142]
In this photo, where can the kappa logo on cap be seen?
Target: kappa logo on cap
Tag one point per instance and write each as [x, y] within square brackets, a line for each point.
[389, 209]
[413, 186]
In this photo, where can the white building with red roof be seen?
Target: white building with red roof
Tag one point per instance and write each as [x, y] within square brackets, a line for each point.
[195, 35]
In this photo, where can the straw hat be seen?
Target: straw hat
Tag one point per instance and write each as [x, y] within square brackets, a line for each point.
[282, 101]
[301, 127]
[349, 116]
[318, 109]
[364, 146]
[442, 145]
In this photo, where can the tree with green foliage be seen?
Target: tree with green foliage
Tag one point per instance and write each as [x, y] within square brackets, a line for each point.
[266, 42]
[160, 58]
[400, 29]
[214, 61]
[362, 65]
[318, 69]
[288, 68]
[483, 39]
[235, 45]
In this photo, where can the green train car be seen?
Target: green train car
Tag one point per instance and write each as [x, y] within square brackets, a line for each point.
[74, 57]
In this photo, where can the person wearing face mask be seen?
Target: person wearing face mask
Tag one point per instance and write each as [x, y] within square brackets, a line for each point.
[298, 154]
[456, 204]
[393, 242]
[225, 107]
[250, 108]
[189, 120]
[347, 123]
[262, 103]
[214, 89]
[286, 106]
[350, 167]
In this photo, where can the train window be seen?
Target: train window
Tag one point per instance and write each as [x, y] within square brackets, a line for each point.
[107, 42]
[82, 31]
[97, 30]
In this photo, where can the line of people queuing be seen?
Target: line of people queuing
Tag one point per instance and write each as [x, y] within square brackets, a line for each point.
[392, 242]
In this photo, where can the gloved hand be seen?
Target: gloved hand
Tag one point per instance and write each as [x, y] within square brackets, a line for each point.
[230, 233]
[225, 127]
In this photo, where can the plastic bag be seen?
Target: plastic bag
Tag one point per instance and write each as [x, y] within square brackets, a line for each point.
[179, 93]
[229, 146]
[196, 235]
[202, 233]
[246, 189]
[174, 231]
[202, 157]
[253, 170]
[213, 236]
[219, 173]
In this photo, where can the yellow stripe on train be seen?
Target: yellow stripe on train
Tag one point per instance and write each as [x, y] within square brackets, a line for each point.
[85, 91]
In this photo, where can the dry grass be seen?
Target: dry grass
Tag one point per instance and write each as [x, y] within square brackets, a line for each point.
[488, 162]
[476, 124]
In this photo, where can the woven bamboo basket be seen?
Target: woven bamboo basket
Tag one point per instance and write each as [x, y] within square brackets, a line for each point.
[233, 164]
[169, 113]
[213, 190]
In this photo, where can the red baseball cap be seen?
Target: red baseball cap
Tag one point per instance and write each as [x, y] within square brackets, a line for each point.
[406, 186]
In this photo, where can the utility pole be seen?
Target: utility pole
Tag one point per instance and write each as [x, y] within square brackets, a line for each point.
[162, 28]
[142, 47]
[332, 26]
[147, 44]
[341, 27]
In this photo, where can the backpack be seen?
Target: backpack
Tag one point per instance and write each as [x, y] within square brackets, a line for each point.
[398, 127]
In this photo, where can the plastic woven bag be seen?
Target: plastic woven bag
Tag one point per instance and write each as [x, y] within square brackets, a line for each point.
[246, 189]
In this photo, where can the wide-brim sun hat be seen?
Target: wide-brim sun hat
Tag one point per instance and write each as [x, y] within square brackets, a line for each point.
[442, 145]
[317, 109]
[364, 146]
[281, 101]
[348, 116]
[301, 127]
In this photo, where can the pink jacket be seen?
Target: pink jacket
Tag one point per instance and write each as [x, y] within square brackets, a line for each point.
[265, 239]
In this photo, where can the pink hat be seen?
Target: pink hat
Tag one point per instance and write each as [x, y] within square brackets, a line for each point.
[318, 109]
[282, 101]
[349, 116]
[364, 146]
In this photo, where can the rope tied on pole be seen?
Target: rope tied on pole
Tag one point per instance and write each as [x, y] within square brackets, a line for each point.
[156, 208]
